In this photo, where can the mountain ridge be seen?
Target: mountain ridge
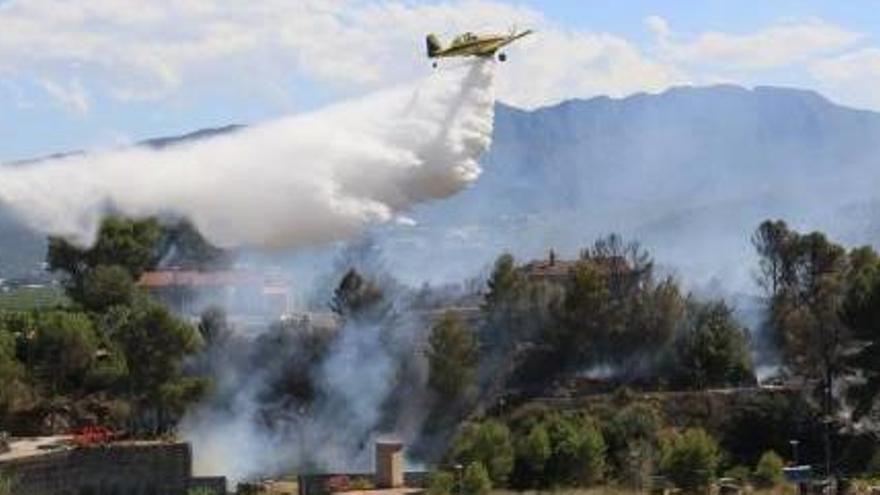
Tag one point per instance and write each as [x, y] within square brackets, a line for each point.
[651, 166]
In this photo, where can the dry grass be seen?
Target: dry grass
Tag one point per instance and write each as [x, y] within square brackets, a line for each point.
[785, 489]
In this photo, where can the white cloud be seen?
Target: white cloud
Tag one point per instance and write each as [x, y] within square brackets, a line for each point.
[658, 25]
[72, 96]
[776, 46]
[135, 50]
[558, 65]
[853, 77]
[131, 49]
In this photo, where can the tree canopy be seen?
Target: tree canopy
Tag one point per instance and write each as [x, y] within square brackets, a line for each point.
[452, 357]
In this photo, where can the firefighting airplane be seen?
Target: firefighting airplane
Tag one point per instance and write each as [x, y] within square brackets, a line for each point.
[473, 45]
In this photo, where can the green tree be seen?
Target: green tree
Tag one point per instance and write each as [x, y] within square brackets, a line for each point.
[441, 483]
[768, 471]
[613, 308]
[584, 324]
[476, 480]
[637, 421]
[534, 449]
[176, 395]
[516, 308]
[578, 450]
[11, 373]
[861, 313]
[7, 484]
[65, 348]
[109, 369]
[105, 286]
[711, 348]
[631, 435]
[132, 245]
[488, 443]
[17, 359]
[452, 357]
[182, 245]
[690, 458]
[155, 343]
[805, 277]
[505, 286]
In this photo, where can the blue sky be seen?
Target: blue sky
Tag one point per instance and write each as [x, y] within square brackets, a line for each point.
[100, 73]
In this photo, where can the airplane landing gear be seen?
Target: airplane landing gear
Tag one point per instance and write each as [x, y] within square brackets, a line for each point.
[502, 57]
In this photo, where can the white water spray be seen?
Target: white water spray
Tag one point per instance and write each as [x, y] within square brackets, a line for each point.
[297, 181]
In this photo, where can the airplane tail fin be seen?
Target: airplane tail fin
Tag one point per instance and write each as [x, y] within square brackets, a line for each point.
[434, 45]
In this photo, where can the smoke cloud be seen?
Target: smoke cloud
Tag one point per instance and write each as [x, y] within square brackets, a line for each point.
[298, 181]
[302, 397]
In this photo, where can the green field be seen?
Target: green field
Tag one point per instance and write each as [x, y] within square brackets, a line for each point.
[33, 297]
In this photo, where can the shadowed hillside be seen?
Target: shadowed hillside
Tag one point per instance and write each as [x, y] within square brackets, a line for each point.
[689, 172]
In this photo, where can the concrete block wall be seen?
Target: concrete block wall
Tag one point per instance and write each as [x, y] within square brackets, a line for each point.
[119, 469]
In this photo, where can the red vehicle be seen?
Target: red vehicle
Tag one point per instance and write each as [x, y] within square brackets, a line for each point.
[92, 435]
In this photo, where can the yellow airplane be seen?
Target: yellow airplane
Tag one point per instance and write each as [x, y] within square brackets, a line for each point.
[473, 45]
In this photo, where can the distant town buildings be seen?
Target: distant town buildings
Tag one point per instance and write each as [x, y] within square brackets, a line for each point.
[240, 292]
[550, 269]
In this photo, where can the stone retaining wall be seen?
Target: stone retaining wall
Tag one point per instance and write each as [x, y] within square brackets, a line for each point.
[118, 469]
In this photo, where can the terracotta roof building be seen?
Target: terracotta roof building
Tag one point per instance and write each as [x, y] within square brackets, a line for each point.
[240, 291]
[551, 269]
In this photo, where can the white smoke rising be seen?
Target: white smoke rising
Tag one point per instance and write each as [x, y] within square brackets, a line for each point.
[369, 383]
[297, 181]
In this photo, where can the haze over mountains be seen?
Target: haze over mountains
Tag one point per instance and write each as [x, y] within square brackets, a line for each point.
[689, 172]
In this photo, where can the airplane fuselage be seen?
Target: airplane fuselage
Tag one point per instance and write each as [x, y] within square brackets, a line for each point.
[483, 47]
[472, 45]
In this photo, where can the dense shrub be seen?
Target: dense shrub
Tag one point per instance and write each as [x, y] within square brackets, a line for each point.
[476, 480]
[689, 459]
[534, 449]
[441, 483]
[768, 472]
[201, 491]
[631, 435]
[578, 451]
[488, 443]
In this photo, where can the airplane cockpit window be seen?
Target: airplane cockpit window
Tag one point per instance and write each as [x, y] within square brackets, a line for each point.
[465, 38]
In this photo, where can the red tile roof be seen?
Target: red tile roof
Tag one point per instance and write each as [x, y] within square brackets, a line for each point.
[181, 278]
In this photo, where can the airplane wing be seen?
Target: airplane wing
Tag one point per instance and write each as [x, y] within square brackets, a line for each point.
[513, 37]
